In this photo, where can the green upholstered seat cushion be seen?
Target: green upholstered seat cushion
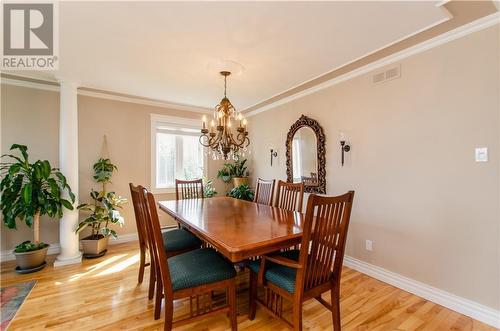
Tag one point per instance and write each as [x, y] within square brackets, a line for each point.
[180, 239]
[279, 275]
[199, 267]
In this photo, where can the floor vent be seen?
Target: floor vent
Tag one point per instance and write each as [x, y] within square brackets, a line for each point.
[389, 74]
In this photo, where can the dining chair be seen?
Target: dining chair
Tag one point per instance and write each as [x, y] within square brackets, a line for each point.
[193, 274]
[300, 275]
[289, 196]
[177, 241]
[264, 191]
[189, 189]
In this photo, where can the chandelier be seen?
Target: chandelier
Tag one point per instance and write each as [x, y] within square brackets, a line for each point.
[221, 139]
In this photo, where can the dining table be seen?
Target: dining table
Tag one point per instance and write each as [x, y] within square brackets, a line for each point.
[238, 229]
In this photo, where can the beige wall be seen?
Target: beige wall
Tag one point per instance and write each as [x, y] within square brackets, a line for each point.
[31, 117]
[431, 211]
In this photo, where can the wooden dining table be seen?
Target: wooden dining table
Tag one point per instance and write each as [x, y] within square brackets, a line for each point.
[236, 228]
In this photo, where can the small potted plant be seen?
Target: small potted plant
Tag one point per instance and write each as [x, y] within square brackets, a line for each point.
[242, 192]
[238, 172]
[224, 174]
[30, 190]
[103, 212]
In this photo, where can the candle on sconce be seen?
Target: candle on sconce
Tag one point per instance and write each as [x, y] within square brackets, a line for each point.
[240, 118]
[204, 118]
[342, 136]
[245, 123]
[212, 125]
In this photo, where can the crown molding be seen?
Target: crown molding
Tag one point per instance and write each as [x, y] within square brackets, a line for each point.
[30, 84]
[101, 94]
[462, 31]
[143, 101]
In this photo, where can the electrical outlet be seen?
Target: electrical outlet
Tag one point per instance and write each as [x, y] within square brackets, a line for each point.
[369, 245]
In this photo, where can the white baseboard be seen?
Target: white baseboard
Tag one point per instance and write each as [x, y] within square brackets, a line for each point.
[8, 255]
[461, 305]
[124, 238]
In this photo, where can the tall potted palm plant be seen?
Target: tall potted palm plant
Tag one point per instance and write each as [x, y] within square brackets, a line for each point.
[102, 212]
[29, 191]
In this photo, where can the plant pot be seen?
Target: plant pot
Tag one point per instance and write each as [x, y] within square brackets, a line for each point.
[226, 179]
[94, 246]
[238, 181]
[30, 260]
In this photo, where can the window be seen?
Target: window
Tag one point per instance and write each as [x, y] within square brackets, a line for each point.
[176, 152]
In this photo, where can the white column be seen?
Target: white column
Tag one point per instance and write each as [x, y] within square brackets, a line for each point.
[68, 163]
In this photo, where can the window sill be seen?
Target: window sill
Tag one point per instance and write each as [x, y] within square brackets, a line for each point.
[164, 190]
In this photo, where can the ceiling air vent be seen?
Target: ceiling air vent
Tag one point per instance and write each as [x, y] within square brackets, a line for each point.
[388, 74]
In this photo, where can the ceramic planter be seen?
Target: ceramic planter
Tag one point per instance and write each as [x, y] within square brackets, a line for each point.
[94, 246]
[238, 181]
[31, 260]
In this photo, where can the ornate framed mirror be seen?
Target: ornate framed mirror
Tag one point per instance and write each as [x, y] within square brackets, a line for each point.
[305, 155]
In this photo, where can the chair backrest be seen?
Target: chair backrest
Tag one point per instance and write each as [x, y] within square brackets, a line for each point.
[157, 247]
[188, 189]
[289, 196]
[323, 240]
[140, 216]
[264, 191]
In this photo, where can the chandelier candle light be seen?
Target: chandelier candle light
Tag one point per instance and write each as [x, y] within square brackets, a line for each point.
[220, 138]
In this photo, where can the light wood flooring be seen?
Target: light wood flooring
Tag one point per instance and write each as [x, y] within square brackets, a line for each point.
[103, 294]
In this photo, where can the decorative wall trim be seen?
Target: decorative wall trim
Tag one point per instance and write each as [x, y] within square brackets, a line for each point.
[54, 87]
[28, 84]
[461, 305]
[143, 101]
[454, 34]
[124, 238]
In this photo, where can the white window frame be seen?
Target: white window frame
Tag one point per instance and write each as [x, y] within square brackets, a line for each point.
[173, 120]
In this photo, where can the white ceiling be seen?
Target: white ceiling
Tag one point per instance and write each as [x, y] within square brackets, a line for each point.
[167, 50]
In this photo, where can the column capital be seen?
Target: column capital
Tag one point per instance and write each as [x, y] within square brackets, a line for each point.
[70, 83]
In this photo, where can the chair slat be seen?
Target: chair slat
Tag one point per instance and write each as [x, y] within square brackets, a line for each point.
[289, 196]
[264, 191]
[189, 189]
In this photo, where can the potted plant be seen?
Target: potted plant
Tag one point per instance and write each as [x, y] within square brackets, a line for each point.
[30, 190]
[238, 171]
[103, 212]
[242, 192]
[224, 174]
[208, 190]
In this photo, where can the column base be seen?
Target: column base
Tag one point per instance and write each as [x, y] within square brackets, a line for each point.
[59, 262]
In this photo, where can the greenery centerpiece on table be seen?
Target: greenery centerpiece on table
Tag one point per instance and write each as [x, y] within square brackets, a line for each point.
[102, 211]
[29, 191]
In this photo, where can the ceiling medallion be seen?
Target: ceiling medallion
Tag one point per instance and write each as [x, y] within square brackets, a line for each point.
[221, 139]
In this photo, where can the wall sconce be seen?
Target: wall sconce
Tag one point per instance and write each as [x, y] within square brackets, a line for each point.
[344, 148]
[273, 154]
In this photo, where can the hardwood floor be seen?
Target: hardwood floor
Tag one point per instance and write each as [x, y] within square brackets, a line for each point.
[103, 294]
